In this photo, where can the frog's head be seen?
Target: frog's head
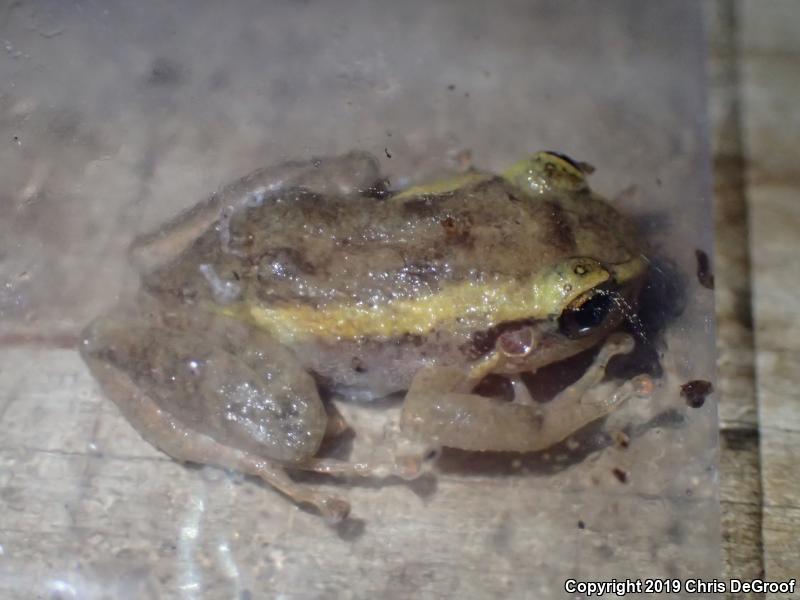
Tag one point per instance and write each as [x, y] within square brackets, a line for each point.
[603, 297]
[580, 301]
[549, 171]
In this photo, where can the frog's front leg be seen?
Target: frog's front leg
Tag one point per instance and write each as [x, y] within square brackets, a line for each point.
[439, 410]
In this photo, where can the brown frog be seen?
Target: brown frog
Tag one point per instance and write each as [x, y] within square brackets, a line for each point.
[309, 275]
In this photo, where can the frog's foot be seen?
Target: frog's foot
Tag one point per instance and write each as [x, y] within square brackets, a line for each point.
[206, 451]
[332, 508]
[590, 398]
[436, 410]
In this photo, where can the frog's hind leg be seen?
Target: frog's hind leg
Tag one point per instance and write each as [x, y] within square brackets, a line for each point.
[213, 392]
[438, 410]
[159, 428]
[407, 465]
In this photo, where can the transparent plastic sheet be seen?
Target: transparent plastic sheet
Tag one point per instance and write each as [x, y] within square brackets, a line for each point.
[117, 115]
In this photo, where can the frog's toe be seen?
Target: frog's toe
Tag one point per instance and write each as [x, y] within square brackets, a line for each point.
[618, 343]
[605, 397]
[334, 510]
[412, 460]
[643, 386]
[409, 467]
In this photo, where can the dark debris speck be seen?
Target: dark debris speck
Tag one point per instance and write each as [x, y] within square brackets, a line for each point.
[696, 391]
[165, 71]
[705, 275]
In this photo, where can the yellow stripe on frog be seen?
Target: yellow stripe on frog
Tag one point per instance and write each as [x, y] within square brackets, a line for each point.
[484, 303]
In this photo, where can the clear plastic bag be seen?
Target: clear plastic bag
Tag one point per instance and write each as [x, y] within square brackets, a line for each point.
[117, 115]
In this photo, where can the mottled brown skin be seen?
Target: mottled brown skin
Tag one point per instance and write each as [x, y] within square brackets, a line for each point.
[305, 247]
[301, 247]
[207, 387]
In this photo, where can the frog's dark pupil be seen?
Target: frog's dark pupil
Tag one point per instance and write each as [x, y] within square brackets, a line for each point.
[582, 320]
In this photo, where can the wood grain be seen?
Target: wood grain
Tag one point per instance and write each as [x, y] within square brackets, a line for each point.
[755, 66]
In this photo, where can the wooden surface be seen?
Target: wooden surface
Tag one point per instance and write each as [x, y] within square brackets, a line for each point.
[182, 97]
[70, 468]
[755, 68]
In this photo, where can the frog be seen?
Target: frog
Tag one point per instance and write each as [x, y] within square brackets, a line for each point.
[313, 279]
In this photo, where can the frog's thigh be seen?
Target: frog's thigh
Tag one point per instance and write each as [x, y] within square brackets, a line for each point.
[183, 444]
[434, 410]
[191, 412]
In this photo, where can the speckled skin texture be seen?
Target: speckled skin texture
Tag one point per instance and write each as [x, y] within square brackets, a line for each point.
[322, 249]
[303, 247]
[187, 355]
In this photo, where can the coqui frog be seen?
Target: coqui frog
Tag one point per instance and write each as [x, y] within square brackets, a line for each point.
[311, 275]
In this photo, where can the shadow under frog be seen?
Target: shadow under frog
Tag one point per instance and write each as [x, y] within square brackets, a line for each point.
[296, 274]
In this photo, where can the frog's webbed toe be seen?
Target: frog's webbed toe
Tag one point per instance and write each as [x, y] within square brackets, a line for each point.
[436, 408]
[256, 412]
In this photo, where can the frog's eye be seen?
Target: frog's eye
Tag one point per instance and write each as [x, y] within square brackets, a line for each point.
[586, 314]
[549, 171]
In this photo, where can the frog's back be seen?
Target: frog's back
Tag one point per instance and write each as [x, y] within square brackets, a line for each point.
[302, 247]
